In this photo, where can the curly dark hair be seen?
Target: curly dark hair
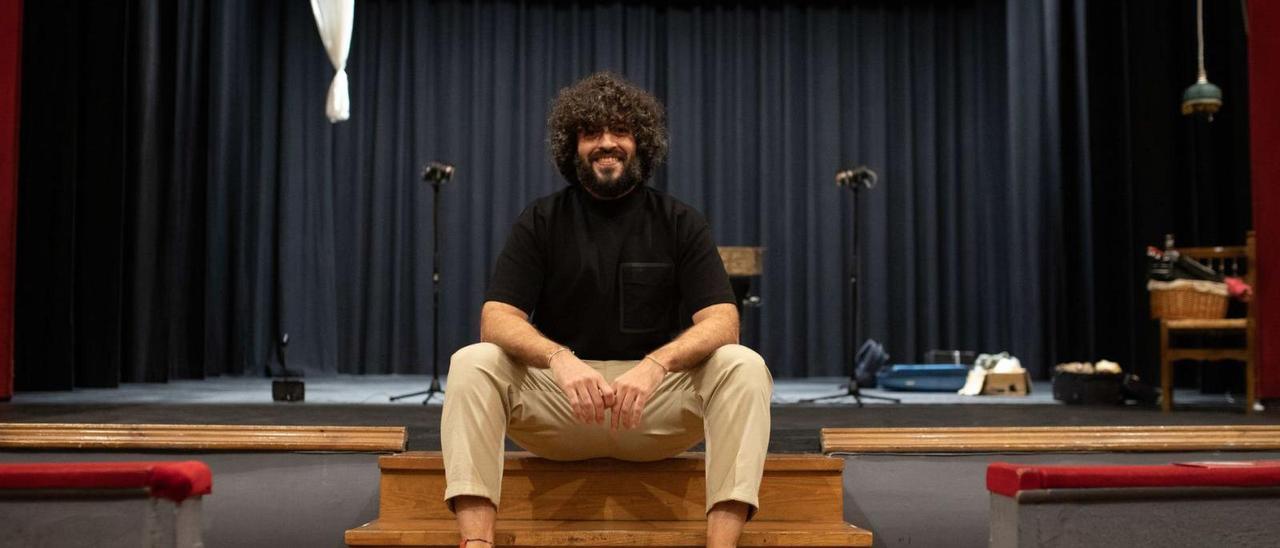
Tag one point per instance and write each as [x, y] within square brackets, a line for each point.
[601, 100]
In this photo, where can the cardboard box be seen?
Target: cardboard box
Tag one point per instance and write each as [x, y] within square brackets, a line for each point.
[1007, 384]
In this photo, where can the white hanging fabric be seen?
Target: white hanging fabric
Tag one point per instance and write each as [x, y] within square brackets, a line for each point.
[334, 19]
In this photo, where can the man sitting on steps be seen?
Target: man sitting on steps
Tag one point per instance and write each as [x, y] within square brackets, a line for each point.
[583, 354]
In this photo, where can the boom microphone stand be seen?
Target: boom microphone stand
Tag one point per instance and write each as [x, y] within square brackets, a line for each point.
[435, 173]
[854, 179]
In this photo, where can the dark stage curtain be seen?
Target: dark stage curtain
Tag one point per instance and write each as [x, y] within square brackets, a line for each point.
[1152, 170]
[184, 200]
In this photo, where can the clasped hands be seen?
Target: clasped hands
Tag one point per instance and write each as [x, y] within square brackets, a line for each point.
[589, 395]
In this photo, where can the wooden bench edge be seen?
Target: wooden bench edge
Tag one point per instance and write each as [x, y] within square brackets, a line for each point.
[203, 437]
[1052, 439]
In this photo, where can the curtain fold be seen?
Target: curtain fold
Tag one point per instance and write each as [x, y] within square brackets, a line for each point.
[228, 214]
[1150, 170]
[334, 19]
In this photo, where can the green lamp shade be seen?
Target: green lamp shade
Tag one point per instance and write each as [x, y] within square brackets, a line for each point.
[1201, 97]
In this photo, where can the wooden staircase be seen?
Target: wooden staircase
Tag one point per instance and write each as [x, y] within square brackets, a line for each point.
[606, 502]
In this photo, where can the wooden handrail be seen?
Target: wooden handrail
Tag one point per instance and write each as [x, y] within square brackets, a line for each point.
[202, 437]
[1051, 439]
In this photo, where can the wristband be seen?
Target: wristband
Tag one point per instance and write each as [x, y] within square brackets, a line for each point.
[557, 351]
[664, 367]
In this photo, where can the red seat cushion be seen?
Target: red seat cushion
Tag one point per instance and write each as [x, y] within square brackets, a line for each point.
[175, 481]
[1007, 478]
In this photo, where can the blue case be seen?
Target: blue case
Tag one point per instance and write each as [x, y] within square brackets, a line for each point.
[944, 377]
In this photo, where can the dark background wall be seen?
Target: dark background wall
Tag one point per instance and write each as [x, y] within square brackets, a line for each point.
[1155, 172]
[184, 201]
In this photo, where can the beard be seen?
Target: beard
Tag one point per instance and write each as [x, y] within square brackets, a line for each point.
[624, 178]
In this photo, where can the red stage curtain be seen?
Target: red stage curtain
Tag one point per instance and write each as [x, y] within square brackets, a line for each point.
[10, 79]
[1264, 88]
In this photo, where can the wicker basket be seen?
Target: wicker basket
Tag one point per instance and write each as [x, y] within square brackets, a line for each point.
[1187, 299]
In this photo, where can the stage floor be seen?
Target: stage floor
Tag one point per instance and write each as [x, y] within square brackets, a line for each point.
[364, 401]
[378, 389]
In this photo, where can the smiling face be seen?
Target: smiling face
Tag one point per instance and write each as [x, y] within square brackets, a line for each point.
[606, 134]
[607, 166]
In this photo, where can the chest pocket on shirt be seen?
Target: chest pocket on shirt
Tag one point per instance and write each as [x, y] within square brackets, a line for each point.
[647, 294]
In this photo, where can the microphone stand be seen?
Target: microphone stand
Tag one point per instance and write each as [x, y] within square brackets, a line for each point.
[854, 180]
[435, 173]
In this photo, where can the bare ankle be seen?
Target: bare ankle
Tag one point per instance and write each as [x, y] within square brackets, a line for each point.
[725, 522]
[476, 518]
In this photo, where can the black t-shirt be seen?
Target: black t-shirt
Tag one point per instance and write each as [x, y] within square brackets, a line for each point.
[610, 279]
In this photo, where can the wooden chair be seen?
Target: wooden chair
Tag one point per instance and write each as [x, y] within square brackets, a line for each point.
[1230, 261]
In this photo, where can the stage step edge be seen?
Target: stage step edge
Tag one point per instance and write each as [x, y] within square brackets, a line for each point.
[202, 437]
[1023, 439]
[684, 462]
[795, 488]
[606, 533]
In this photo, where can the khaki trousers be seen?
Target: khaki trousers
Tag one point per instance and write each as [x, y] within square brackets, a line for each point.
[489, 396]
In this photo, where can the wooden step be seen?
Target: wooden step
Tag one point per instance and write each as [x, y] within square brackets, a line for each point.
[442, 532]
[796, 488]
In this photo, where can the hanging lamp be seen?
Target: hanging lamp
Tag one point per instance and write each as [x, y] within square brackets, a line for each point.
[1202, 98]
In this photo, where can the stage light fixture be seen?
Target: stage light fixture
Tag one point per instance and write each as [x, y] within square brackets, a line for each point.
[1202, 98]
